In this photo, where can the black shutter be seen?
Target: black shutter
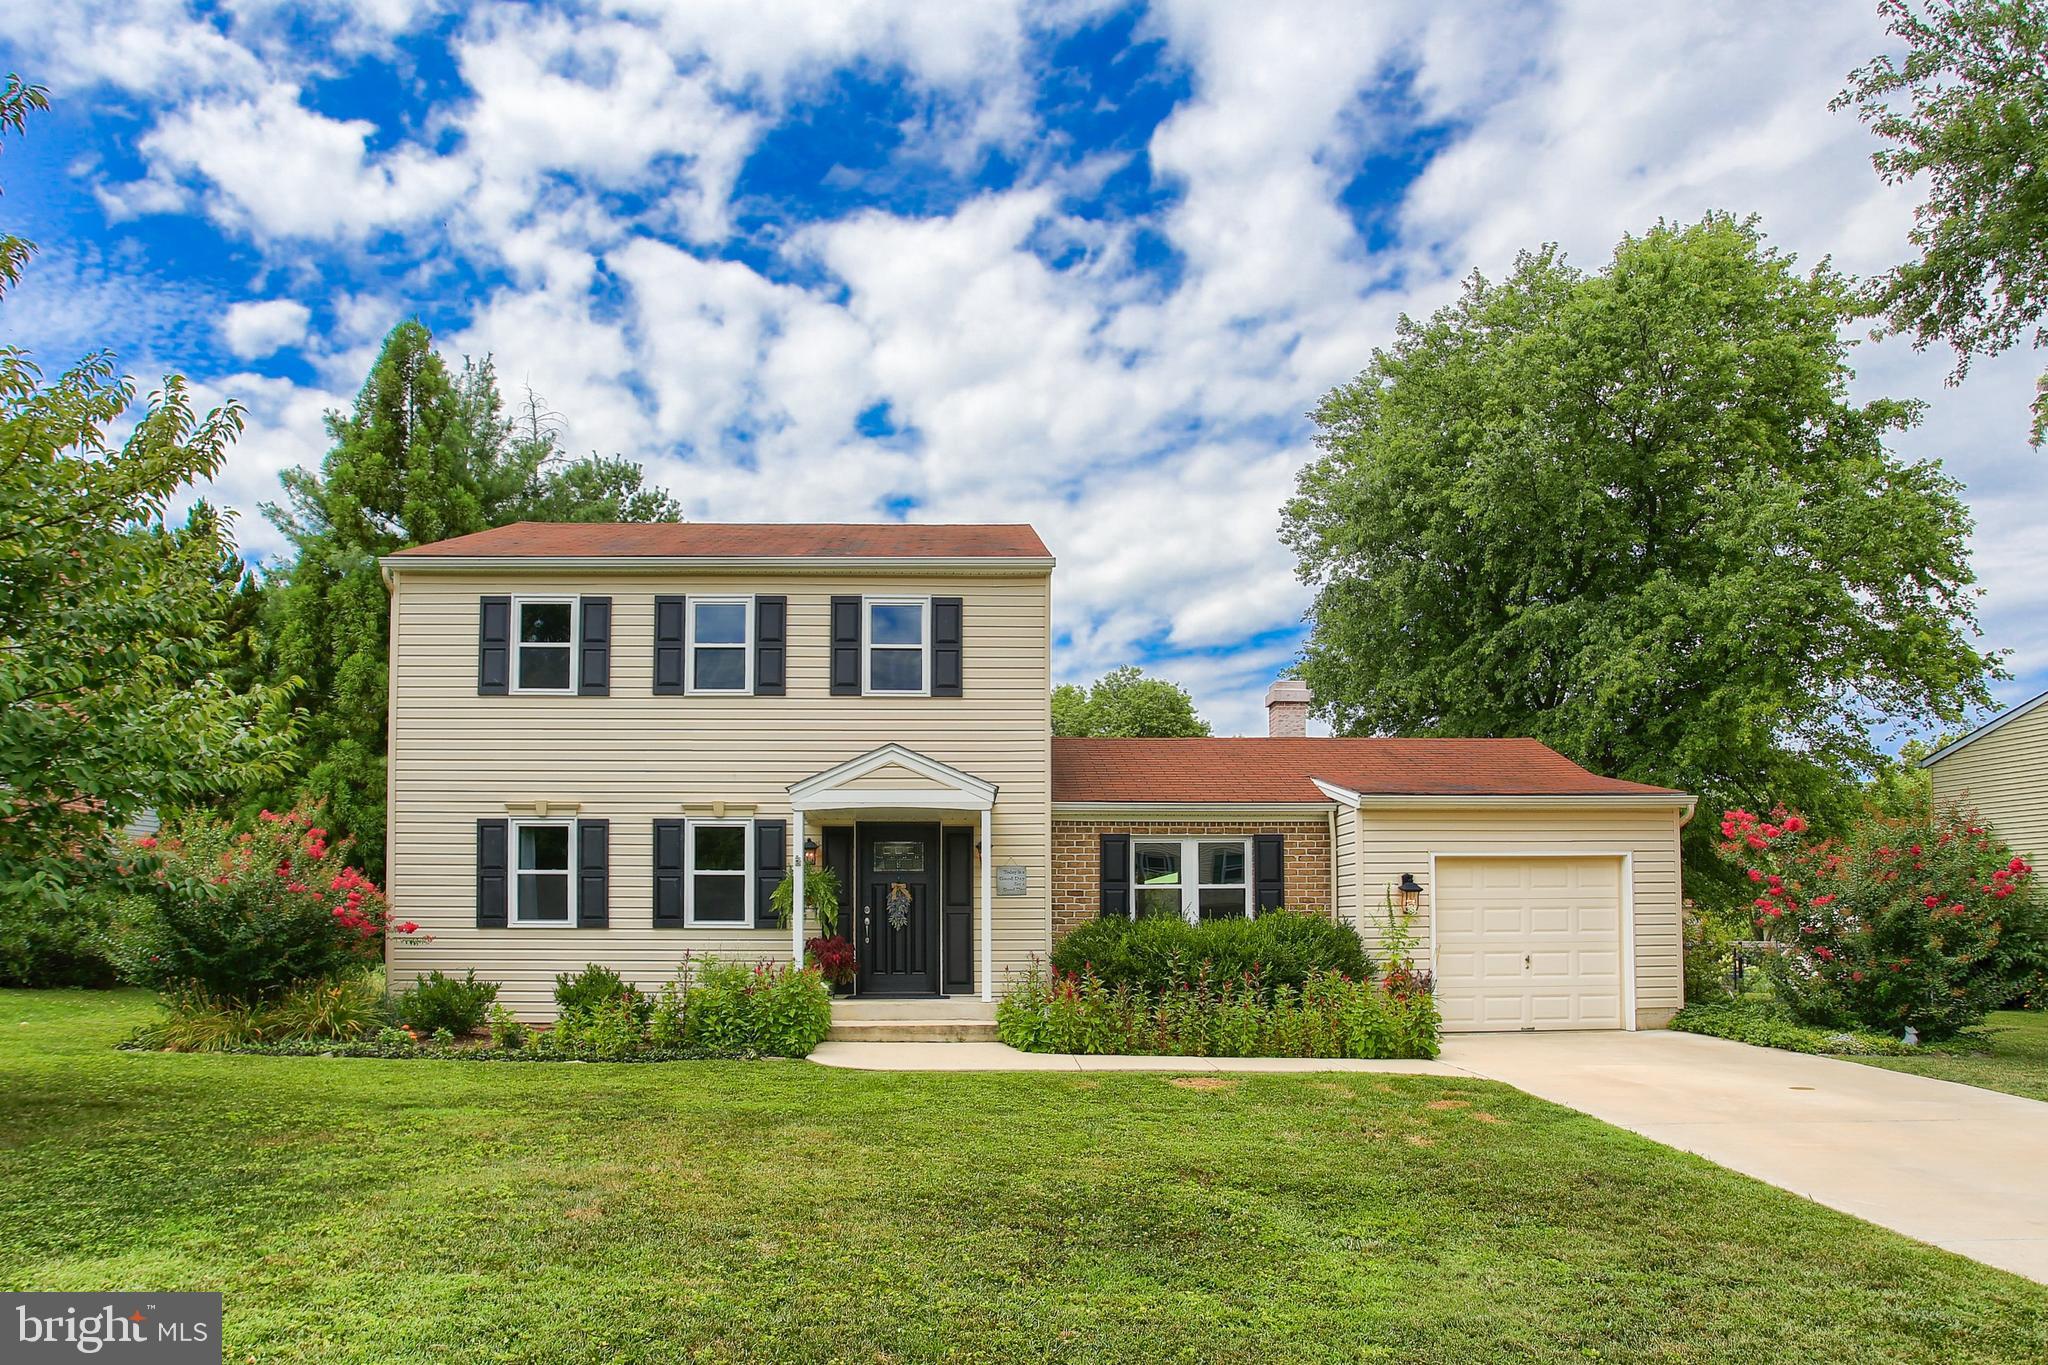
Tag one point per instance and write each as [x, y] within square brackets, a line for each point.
[771, 645]
[668, 874]
[668, 646]
[493, 647]
[839, 857]
[1116, 874]
[957, 945]
[492, 875]
[946, 652]
[594, 655]
[846, 646]
[594, 874]
[771, 861]
[1269, 871]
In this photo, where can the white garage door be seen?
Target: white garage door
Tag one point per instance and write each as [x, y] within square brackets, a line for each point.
[1528, 943]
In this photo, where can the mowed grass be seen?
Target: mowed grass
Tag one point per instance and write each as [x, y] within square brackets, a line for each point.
[380, 1211]
[2017, 1062]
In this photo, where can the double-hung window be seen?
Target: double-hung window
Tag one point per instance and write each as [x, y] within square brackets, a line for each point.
[544, 644]
[720, 644]
[898, 646]
[1191, 879]
[543, 880]
[720, 890]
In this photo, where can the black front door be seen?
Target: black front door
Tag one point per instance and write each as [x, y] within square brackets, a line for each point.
[899, 922]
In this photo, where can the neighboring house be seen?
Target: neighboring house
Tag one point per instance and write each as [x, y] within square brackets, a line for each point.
[2000, 770]
[610, 743]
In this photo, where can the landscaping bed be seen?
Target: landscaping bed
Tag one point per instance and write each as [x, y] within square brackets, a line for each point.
[371, 1211]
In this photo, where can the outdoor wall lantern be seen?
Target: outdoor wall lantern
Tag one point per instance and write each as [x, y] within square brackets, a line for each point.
[811, 851]
[1411, 893]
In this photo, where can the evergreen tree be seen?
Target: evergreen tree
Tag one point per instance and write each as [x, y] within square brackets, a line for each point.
[423, 455]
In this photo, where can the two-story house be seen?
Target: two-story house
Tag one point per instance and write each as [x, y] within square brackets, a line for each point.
[609, 743]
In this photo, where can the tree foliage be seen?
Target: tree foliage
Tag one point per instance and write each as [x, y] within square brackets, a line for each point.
[111, 698]
[424, 454]
[1974, 121]
[1634, 514]
[1124, 703]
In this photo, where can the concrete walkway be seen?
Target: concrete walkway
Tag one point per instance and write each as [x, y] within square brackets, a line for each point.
[1962, 1168]
[864, 1056]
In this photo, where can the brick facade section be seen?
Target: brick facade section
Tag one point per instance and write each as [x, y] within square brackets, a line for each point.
[1077, 859]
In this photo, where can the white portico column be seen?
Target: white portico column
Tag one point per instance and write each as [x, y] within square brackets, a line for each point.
[796, 899]
[988, 910]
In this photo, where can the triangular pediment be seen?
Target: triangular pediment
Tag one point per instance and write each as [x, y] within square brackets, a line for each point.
[893, 775]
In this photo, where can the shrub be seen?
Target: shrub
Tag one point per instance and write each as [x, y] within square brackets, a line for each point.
[507, 1033]
[59, 938]
[613, 1028]
[780, 1010]
[1279, 948]
[583, 993]
[438, 1001]
[1922, 922]
[352, 1007]
[668, 1027]
[244, 916]
[1331, 1015]
[396, 1038]
[1709, 957]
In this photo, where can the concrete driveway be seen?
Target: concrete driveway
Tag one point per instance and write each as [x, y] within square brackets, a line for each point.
[1962, 1168]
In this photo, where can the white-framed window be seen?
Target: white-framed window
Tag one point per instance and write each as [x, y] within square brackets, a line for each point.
[718, 878]
[719, 644]
[544, 644]
[1194, 879]
[544, 873]
[896, 643]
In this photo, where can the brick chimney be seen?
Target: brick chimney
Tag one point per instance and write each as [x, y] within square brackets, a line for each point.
[1287, 709]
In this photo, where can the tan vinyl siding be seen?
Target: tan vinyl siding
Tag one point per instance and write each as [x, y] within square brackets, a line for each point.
[633, 757]
[1396, 839]
[2003, 776]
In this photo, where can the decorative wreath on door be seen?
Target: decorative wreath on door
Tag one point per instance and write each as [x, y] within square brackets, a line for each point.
[899, 905]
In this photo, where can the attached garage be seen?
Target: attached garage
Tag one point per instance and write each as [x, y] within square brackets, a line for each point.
[1531, 942]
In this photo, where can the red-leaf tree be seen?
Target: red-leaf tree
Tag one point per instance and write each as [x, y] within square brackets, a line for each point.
[1922, 922]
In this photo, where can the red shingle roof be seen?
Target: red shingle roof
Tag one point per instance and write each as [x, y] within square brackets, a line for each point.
[1257, 770]
[735, 540]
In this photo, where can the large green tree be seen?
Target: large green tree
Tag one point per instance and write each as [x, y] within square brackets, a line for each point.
[1123, 703]
[1636, 515]
[1967, 108]
[425, 453]
[111, 633]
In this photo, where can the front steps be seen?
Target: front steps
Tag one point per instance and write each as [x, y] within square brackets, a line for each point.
[956, 1019]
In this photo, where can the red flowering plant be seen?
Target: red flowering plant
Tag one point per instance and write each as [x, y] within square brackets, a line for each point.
[1922, 922]
[247, 914]
[833, 957]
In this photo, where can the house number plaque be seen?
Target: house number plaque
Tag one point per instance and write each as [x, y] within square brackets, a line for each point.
[1012, 880]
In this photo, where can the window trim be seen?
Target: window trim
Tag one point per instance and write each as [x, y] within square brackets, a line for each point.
[1191, 889]
[745, 601]
[572, 645]
[690, 873]
[513, 920]
[868, 645]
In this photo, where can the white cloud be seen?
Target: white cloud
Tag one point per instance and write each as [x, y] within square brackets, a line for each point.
[264, 327]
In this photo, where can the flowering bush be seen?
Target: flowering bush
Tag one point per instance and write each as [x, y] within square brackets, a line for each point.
[1330, 1015]
[246, 915]
[1923, 922]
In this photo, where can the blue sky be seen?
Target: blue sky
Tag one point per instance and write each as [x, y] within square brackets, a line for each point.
[1085, 265]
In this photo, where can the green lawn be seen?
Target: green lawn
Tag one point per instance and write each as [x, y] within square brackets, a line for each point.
[375, 1210]
[2017, 1062]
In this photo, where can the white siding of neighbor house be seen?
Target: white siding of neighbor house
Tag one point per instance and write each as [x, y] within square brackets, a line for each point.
[633, 757]
[1397, 839]
[2003, 776]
